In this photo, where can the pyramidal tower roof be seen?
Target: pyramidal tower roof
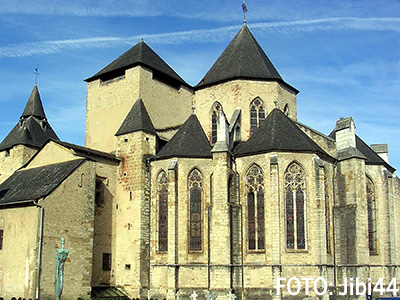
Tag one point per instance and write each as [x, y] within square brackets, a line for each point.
[279, 133]
[140, 54]
[189, 141]
[137, 119]
[33, 128]
[243, 58]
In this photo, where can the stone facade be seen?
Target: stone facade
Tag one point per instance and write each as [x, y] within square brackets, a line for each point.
[229, 222]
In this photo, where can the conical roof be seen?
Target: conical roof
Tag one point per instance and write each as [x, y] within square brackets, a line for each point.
[243, 58]
[34, 106]
[279, 133]
[140, 54]
[189, 141]
[32, 129]
[137, 120]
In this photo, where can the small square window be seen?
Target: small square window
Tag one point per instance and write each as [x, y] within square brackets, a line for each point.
[106, 261]
[128, 267]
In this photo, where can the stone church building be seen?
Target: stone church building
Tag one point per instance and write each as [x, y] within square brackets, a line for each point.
[215, 188]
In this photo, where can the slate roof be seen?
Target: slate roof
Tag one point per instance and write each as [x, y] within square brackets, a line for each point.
[137, 120]
[372, 157]
[27, 185]
[33, 128]
[243, 58]
[189, 141]
[34, 106]
[140, 54]
[279, 133]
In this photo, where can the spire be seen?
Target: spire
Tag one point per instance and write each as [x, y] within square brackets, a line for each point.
[32, 129]
[137, 119]
[189, 141]
[34, 105]
[243, 58]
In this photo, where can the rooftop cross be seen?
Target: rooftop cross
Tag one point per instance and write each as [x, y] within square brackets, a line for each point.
[36, 73]
[244, 7]
[194, 296]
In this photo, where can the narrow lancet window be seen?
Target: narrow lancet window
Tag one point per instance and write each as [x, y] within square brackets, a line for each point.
[257, 114]
[216, 108]
[295, 207]
[255, 208]
[371, 206]
[162, 212]
[195, 204]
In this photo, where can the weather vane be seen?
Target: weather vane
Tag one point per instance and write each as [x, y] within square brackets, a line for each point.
[36, 73]
[244, 10]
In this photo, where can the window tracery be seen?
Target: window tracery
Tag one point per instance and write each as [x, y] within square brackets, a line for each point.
[257, 114]
[255, 208]
[295, 207]
[162, 212]
[195, 202]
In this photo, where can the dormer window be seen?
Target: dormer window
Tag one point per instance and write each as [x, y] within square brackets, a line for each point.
[257, 114]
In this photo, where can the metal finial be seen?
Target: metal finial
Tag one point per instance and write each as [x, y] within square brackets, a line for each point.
[193, 109]
[244, 7]
[37, 73]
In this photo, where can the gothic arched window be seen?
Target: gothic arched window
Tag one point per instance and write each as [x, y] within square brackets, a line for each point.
[295, 185]
[327, 217]
[371, 206]
[162, 211]
[255, 208]
[215, 109]
[257, 114]
[195, 202]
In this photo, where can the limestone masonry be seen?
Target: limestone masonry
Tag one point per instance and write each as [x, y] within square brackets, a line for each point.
[215, 189]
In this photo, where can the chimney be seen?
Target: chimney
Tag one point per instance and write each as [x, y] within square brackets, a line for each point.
[382, 150]
[345, 133]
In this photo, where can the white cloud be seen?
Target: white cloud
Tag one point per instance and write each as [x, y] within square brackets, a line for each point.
[200, 35]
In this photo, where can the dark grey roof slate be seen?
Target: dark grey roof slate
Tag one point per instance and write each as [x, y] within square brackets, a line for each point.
[32, 184]
[372, 157]
[140, 54]
[34, 106]
[279, 133]
[33, 128]
[137, 120]
[189, 141]
[243, 58]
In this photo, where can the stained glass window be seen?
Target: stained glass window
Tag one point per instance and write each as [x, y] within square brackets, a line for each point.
[216, 108]
[255, 208]
[195, 202]
[371, 216]
[257, 114]
[162, 212]
[327, 217]
[295, 207]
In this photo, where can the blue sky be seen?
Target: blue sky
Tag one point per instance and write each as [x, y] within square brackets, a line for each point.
[343, 56]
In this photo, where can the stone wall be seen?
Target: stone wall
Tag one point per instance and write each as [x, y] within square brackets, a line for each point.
[18, 257]
[239, 94]
[13, 159]
[69, 213]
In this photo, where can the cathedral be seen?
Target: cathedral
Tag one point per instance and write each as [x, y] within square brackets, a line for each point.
[213, 191]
